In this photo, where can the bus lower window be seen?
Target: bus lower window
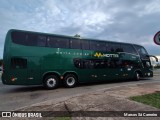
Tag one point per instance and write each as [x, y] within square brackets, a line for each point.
[18, 63]
[77, 63]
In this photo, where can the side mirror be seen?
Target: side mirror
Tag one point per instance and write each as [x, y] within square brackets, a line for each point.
[153, 56]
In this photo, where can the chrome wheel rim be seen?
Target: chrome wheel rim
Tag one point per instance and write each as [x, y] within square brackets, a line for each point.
[51, 82]
[138, 77]
[70, 81]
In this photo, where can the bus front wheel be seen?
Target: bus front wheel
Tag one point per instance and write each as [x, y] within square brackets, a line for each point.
[51, 82]
[70, 81]
[137, 76]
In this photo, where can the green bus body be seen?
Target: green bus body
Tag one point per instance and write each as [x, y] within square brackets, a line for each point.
[30, 65]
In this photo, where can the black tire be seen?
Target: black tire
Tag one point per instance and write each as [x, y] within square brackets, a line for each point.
[51, 82]
[136, 76]
[70, 81]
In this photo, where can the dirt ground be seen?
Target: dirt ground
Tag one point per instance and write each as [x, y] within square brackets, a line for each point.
[114, 99]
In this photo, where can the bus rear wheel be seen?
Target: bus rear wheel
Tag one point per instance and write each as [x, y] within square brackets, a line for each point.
[51, 82]
[70, 81]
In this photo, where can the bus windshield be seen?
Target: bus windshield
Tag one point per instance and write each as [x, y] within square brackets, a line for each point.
[141, 50]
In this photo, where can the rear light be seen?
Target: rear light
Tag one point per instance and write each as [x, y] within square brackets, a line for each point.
[13, 79]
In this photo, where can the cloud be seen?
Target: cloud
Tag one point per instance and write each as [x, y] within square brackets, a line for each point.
[134, 21]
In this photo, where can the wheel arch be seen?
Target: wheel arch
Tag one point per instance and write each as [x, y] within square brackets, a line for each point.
[71, 72]
[50, 73]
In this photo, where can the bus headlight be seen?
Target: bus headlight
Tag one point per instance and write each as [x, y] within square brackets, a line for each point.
[149, 74]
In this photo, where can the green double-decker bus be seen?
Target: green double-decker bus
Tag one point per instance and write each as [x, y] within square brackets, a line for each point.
[33, 58]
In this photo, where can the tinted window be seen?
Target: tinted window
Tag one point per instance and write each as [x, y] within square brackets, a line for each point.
[99, 46]
[85, 44]
[99, 64]
[41, 41]
[28, 39]
[93, 45]
[31, 39]
[57, 42]
[128, 48]
[113, 47]
[36, 40]
[18, 63]
[51, 42]
[109, 47]
[18, 37]
[130, 64]
[88, 64]
[75, 44]
[95, 64]
[78, 63]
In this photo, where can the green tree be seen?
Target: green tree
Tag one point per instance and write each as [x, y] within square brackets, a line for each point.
[77, 35]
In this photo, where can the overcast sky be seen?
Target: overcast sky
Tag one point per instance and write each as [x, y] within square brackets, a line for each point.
[133, 21]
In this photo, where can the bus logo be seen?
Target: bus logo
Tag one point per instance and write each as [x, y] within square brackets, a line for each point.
[157, 38]
[99, 54]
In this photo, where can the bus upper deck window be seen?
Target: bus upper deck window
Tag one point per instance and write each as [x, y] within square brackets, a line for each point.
[18, 37]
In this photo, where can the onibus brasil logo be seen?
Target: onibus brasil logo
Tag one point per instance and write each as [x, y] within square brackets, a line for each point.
[157, 38]
[99, 54]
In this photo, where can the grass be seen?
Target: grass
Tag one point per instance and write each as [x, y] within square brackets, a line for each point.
[148, 99]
